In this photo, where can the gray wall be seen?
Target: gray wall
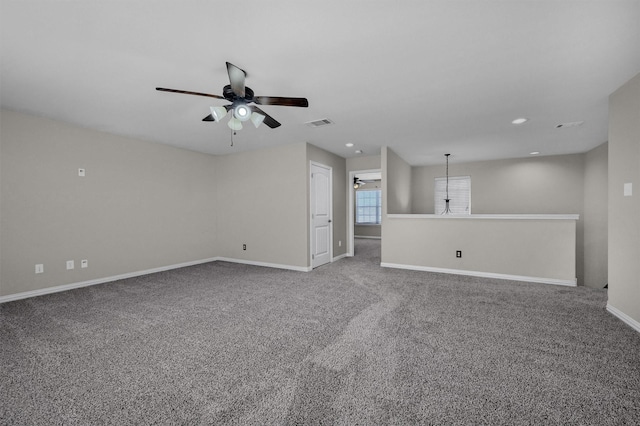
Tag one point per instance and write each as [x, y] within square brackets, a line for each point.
[371, 162]
[262, 202]
[595, 217]
[536, 185]
[396, 178]
[624, 212]
[140, 206]
[542, 185]
[367, 231]
[143, 205]
[489, 246]
[133, 189]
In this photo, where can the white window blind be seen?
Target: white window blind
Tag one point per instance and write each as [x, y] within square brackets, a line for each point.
[459, 194]
[368, 206]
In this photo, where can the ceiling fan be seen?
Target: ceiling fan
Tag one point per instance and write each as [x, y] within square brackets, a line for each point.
[357, 182]
[242, 100]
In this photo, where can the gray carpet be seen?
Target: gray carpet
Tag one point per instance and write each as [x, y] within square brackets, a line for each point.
[349, 343]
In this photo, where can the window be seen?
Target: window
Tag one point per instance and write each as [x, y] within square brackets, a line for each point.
[459, 194]
[368, 206]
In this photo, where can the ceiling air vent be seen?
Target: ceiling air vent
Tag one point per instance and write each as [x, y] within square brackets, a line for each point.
[319, 123]
[571, 124]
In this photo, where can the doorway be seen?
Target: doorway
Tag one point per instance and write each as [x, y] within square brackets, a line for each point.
[366, 180]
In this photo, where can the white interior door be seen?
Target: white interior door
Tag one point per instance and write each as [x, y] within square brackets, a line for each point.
[321, 235]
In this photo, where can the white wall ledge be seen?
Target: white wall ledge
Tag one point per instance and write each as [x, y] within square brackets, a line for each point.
[487, 216]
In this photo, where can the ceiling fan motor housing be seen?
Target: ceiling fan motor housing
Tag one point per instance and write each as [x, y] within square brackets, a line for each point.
[228, 94]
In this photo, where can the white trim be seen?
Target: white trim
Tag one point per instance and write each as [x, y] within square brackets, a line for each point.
[370, 237]
[487, 216]
[341, 256]
[350, 214]
[65, 287]
[266, 264]
[624, 317]
[554, 281]
[322, 166]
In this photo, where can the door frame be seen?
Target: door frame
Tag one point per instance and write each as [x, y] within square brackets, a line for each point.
[311, 230]
[351, 209]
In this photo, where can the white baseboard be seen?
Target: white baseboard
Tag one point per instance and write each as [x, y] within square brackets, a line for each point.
[341, 256]
[65, 287]
[570, 283]
[624, 317]
[367, 237]
[266, 264]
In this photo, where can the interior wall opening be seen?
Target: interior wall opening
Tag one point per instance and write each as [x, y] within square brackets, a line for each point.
[365, 206]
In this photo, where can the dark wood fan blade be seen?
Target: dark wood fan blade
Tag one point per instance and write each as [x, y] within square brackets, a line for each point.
[236, 77]
[186, 92]
[275, 100]
[268, 120]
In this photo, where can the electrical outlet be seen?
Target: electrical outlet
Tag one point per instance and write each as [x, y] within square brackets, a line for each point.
[70, 264]
[84, 263]
[244, 247]
[39, 268]
[458, 253]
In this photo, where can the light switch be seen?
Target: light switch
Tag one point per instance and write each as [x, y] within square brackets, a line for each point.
[81, 172]
[628, 189]
[70, 264]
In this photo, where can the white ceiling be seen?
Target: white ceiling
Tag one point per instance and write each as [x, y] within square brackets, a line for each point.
[423, 77]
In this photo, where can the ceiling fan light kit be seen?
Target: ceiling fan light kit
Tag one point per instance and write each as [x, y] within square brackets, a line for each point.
[234, 124]
[242, 99]
[218, 113]
[257, 119]
[242, 112]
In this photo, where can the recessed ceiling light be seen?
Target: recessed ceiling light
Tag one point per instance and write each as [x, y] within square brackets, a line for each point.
[520, 120]
[349, 145]
[359, 151]
[534, 153]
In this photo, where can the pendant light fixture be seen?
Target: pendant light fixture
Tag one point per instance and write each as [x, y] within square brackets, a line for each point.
[447, 209]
